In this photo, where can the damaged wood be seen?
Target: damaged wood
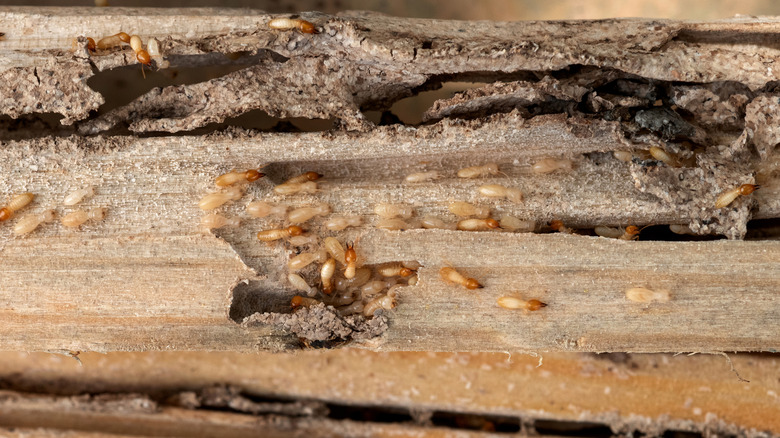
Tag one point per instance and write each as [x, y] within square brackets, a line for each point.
[698, 92]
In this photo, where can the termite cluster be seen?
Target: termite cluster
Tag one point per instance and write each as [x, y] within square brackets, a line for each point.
[71, 219]
[144, 55]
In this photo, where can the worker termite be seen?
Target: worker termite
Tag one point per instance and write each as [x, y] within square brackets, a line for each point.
[17, 203]
[78, 217]
[140, 53]
[326, 275]
[395, 270]
[298, 301]
[394, 224]
[645, 295]
[478, 224]
[499, 191]
[422, 176]
[113, 40]
[464, 209]
[450, 275]
[510, 302]
[263, 209]
[230, 178]
[682, 229]
[300, 284]
[351, 309]
[334, 248]
[284, 233]
[386, 302]
[302, 240]
[362, 276]
[625, 156]
[630, 233]
[388, 211]
[350, 256]
[373, 287]
[304, 177]
[727, 197]
[304, 214]
[431, 222]
[77, 196]
[30, 222]
[295, 188]
[302, 25]
[341, 223]
[305, 259]
[663, 156]
[478, 171]
[549, 165]
[511, 223]
[153, 48]
[214, 200]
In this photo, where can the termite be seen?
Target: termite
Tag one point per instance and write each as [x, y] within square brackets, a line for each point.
[450, 275]
[422, 176]
[298, 301]
[214, 200]
[727, 197]
[292, 23]
[113, 40]
[388, 211]
[334, 248]
[549, 165]
[351, 309]
[478, 171]
[230, 178]
[681, 229]
[412, 281]
[341, 223]
[350, 256]
[305, 259]
[284, 233]
[17, 203]
[304, 214]
[478, 224]
[630, 233]
[295, 188]
[511, 223]
[663, 156]
[394, 224]
[510, 302]
[362, 276]
[383, 302]
[153, 48]
[300, 284]
[30, 222]
[558, 226]
[326, 275]
[464, 209]
[373, 287]
[645, 295]
[140, 53]
[302, 240]
[304, 177]
[625, 156]
[263, 209]
[78, 217]
[395, 270]
[77, 196]
[499, 191]
[430, 222]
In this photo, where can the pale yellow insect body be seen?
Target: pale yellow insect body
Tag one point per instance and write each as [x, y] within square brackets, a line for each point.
[730, 195]
[515, 303]
[549, 165]
[625, 156]
[498, 191]
[609, 232]
[645, 295]
[327, 272]
[433, 222]
[478, 171]
[262, 209]
[394, 270]
[393, 224]
[464, 209]
[20, 201]
[78, 217]
[373, 287]
[288, 189]
[305, 259]
[383, 302]
[335, 249]
[305, 214]
[478, 224]
[300, 284]
[352, 309]
[77, 196]
[362, 276]
[342, 223]
[388, 211]
[663, 156]
[304, 177]
[511, 223]
[450, 275]
[422, 176]
[30, 222]
[215, 200]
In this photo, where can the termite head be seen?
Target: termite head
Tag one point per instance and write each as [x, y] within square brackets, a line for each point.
[296, 302]
[534, 305]
[350, 256]
[312, 176]
[143, 57]
[253, 175]
[492, 223]
[633, 231]
[556, 225]
[405, 272]
[472, 283]
[294, 230]
[91, 46]
[306, 26]
[746, 189]
[124, 37]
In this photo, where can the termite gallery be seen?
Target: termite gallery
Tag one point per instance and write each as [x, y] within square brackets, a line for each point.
[450, 275]
[78, 217]
[292, 23]
[230, 178]
[478, 224]
[214, 200]
[30, 222]
[17, 203]
[278, 234]
[730, 195]
[479, 171]
[512, 302]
